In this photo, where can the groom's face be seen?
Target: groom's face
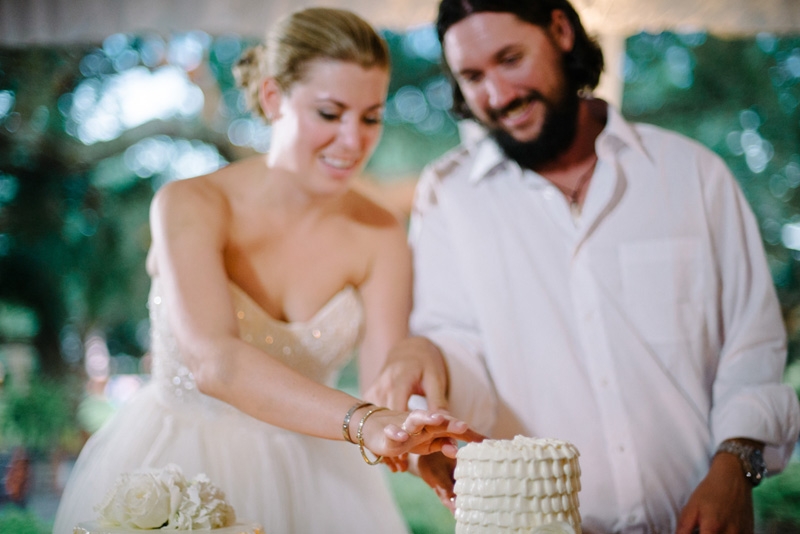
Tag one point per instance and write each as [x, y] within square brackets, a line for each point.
[510, 72]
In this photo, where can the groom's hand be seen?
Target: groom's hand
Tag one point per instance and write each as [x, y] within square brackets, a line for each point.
[437, 471]
[415, 366]
[721, 503]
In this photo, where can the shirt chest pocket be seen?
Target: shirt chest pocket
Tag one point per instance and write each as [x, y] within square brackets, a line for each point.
[662, 283]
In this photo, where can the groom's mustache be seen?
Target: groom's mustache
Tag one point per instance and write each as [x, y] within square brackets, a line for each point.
[496, 114]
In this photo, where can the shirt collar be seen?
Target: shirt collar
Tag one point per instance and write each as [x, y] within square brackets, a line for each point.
[616, 134]
[488, 157]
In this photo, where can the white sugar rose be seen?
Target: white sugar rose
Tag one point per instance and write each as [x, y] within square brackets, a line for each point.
[138, 500]
[164, 499]
[172, 477]
[112, 509]
[219, 512]
[203, 507]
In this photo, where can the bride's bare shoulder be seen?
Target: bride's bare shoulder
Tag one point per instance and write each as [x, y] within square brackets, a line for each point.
[368, 209]
[206, 192]
[377, 223]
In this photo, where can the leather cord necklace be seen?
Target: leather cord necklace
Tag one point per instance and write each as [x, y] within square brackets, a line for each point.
[573, 195]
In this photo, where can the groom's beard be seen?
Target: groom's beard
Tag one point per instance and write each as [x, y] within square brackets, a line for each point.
[556, 135]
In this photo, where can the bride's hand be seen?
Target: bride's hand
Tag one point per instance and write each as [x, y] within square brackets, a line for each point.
[438, 427]
[419, 432]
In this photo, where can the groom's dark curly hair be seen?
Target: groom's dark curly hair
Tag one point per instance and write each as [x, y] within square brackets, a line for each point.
[583, 63]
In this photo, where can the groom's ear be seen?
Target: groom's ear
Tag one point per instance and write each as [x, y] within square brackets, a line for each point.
[561, 30]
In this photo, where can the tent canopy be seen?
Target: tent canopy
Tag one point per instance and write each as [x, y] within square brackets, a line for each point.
[63, 21]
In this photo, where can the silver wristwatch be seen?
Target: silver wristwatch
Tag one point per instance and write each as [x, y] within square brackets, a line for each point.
[751, 458]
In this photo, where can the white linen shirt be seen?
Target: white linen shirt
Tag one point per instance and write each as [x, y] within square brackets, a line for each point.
[646, 333]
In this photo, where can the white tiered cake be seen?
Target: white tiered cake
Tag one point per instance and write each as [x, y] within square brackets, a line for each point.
[524, 485]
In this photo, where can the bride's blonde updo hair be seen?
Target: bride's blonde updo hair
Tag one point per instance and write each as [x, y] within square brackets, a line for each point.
[303, 37]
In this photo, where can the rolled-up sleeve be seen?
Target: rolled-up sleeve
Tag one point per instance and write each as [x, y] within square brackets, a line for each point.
[749, 399]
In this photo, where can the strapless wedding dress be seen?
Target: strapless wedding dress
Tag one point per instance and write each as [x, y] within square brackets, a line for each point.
[288, 482]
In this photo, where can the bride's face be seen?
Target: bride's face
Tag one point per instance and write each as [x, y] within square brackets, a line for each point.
[328, 124]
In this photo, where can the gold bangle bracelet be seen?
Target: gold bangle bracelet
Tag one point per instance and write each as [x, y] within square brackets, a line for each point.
[360, 436]
[346, 422]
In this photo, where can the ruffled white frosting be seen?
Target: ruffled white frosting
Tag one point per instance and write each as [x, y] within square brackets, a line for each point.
[525, 485]
[521, 447]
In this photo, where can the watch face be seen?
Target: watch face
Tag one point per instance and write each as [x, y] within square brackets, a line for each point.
[758, 469]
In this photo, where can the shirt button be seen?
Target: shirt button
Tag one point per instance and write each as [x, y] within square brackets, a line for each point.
[604, 382]
[621, 448]
[632, 519]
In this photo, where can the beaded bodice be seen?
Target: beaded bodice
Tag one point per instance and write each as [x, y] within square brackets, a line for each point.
[317, 348]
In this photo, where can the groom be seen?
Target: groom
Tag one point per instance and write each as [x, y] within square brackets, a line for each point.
[584, 278]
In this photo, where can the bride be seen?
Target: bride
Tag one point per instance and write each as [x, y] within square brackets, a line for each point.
[265, 275]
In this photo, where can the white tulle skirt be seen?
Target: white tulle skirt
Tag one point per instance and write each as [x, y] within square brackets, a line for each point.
[288, 482]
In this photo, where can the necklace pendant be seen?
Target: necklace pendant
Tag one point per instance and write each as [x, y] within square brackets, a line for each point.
[575, 210]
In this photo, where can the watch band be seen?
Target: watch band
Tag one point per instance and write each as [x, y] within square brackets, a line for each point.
[750, 457]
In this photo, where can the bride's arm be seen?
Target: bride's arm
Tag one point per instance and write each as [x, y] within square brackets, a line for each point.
[188, 222]
[386, 294]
